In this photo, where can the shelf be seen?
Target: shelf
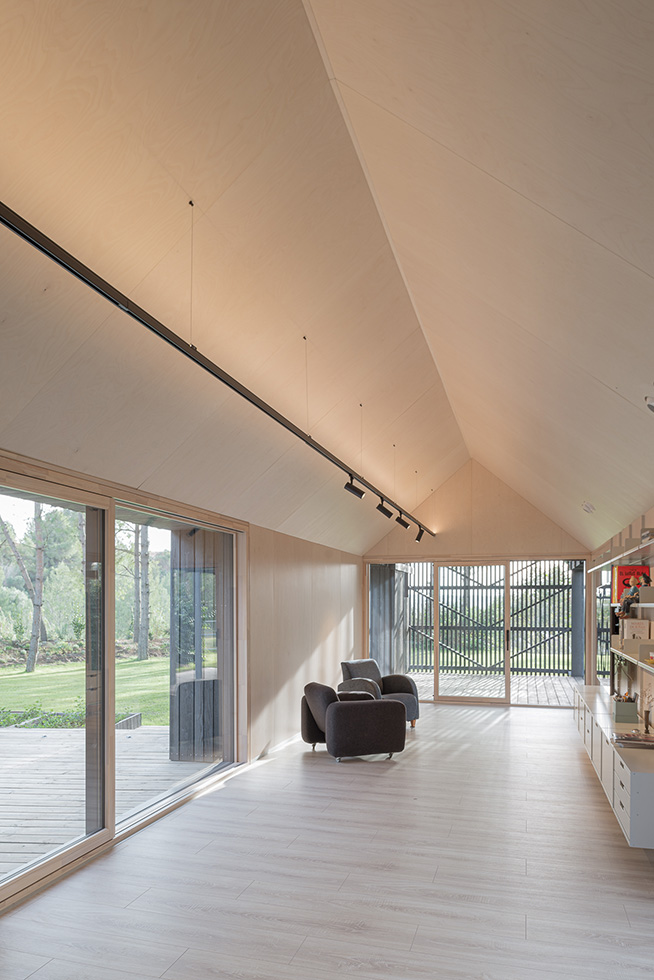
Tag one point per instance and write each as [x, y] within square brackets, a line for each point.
[644, 552]
[639, 663]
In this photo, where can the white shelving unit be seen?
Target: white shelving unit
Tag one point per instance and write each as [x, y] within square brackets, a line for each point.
[627, 775]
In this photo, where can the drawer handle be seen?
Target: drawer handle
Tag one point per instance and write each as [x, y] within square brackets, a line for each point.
[622, 784]
[622, 804]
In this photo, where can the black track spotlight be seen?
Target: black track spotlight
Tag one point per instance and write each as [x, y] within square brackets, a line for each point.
[400, 520]
[420, 533]
[382, 509]
[357, 491]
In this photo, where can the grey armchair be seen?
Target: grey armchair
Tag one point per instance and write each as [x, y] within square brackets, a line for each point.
[352, 723]
[365, 675]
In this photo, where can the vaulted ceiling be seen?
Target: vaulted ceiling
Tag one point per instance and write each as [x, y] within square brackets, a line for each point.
[422, 230]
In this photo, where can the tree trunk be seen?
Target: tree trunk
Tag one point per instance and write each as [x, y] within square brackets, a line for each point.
[137, 584]
[23, 571]
[145, 596]
[81, 533]
[38, 591]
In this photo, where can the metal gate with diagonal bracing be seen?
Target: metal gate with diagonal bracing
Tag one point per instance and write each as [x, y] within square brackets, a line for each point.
[472, 618]
[542, 616]
[420, 617]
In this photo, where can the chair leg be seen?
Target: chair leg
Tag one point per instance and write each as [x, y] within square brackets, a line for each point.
[338, 759]
[413, 723]
[313, 747]
[390, 755]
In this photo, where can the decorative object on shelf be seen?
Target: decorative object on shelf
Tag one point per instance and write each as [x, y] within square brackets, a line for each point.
[628, 598]
[620, 575]
[624, 708]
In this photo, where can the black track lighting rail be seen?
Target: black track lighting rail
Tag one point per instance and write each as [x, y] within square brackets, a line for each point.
[33, 236]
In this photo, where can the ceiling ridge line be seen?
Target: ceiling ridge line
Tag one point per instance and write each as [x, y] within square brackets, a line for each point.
[391, 243]
[56, 253]
[498, 180]
[317, 34]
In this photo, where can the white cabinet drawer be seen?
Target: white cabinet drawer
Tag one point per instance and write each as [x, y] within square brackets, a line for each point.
[608, 765]
[597, 746]
[622, 773]
[622, 814]
[621, 797]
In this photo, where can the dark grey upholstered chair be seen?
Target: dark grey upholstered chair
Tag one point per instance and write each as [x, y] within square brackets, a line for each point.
[396, 687]
[353, 723]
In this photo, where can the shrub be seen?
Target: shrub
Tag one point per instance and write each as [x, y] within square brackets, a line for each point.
[9, 717]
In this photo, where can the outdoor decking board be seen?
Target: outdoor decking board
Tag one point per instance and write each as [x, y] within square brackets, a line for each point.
[42, 785]
[537, 689]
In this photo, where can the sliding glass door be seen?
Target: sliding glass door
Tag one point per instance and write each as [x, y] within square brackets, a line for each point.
[175, 653]
[52, 681]
[463, 630]
[445, 625]
[472, 635]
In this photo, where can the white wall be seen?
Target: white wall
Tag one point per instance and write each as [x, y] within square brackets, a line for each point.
[305, 616]
[476, 515]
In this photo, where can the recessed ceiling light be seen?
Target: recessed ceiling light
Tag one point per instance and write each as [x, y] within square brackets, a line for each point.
[649, 401]
[588, 507]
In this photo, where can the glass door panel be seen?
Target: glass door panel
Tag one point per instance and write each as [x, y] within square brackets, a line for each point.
[472, 608]
[547, 630]
[52, 669]
[401, 621]
[175, 650]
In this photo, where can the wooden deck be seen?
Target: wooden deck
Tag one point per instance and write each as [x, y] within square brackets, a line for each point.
[42, 785]
[539, 689]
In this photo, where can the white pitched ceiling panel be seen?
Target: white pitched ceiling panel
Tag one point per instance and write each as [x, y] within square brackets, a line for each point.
[115, 114]
[550, 99]
[116, 406]
[521, 236]
[125, 406]
[521, 312]
[113, 118]
[42, 321]
[576, 296]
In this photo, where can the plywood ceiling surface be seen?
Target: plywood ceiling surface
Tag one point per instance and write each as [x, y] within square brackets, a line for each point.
[445, 251]
[509, 148]
[114, 116]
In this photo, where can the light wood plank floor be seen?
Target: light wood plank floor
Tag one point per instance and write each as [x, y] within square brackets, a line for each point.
[485, 851]
[539, 689]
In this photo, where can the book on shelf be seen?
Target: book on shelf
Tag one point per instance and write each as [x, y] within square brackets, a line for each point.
[635, 629]
[620, 575]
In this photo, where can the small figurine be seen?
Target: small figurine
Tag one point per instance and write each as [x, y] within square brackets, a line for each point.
[629, 599]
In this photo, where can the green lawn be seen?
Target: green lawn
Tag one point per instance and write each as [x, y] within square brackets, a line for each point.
[141, 685]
